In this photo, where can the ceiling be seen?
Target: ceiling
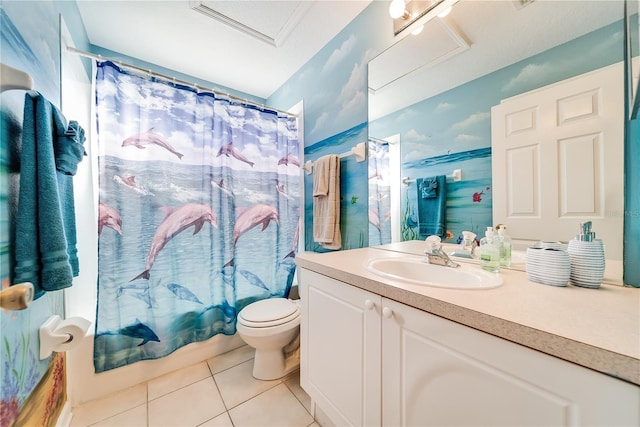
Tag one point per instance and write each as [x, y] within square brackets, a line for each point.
[249, 46]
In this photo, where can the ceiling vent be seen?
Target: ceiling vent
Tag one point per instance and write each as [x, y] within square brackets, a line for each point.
[269, 21]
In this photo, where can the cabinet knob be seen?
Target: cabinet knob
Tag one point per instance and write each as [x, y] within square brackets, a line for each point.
[387, 312]
[369, 304]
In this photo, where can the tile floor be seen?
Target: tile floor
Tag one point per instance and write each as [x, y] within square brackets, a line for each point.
[218, 392]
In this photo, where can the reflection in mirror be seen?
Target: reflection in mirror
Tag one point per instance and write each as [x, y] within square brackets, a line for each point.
[633, 38]
[442, 112]
[384, 204]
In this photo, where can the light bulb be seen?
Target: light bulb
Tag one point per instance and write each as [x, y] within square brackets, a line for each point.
[417, 30]
[396, 9]
[444, 12]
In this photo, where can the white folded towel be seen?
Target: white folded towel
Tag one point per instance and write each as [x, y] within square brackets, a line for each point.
[326, 205]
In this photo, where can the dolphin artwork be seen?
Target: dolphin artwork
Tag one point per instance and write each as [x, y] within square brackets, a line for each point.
[289, 159]
[294, 242]
[139, 291]
[228, 150]
[249, 218]
[175, 221]
[137, 330]
[222, 187]
[130, 181]
[253, 279]
[229, 311]
[183, 293]
[108, 217]
[282, 190]
[150, 138]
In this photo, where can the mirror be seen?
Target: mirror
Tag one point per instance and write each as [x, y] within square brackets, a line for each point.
[434, 93]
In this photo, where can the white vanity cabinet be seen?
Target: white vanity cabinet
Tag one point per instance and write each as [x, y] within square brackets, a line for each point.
[340, 345]
[370, 361]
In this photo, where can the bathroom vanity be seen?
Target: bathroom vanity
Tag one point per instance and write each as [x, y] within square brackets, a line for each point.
[378, 351]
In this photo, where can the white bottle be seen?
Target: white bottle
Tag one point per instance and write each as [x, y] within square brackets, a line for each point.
[490, 251]
[505, 246]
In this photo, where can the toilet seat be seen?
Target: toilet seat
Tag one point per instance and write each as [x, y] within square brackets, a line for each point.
[269, 312]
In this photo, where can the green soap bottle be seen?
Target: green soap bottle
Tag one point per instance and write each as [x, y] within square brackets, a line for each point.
[505, 246]
[490, 251]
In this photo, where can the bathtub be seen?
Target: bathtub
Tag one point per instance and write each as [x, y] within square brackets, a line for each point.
[84, 385]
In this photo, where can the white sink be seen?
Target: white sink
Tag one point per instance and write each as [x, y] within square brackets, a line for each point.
[419, 271]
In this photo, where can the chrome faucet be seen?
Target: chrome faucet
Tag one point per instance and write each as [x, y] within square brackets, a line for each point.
[440, 257]
[435, 254]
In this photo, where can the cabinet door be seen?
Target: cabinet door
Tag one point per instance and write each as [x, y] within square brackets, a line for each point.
[340, 349]
[437, 372]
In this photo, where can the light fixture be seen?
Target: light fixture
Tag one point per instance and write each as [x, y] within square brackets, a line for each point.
[418, 30]
[412, 15]
[396, 9]
[445, 12]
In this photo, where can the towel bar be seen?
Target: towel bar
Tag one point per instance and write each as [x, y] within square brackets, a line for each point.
[359, 151]
[455, 176]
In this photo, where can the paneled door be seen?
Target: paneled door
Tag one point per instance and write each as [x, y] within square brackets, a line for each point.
[557, 159]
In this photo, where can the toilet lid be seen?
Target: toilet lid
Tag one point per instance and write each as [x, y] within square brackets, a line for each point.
[268, 312]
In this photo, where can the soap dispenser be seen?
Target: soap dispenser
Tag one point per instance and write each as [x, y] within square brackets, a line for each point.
[505, 245]
[490, 251]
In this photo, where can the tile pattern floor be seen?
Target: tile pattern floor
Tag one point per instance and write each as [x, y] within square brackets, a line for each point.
[218, 392]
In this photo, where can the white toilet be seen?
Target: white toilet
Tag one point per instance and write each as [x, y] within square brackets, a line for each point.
[272, 327]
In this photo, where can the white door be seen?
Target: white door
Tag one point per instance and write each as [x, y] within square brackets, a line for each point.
[340, 349]
[557, 156]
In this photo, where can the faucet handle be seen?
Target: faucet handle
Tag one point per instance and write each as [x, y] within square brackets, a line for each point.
[434, 243]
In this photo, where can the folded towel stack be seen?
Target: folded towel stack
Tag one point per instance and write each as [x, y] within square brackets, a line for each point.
[326, 202]
[432, 206]
[46, 253]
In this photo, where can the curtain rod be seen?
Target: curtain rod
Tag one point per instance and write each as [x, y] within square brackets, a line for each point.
[175, 80]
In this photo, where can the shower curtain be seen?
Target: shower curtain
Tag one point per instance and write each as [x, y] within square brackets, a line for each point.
[379, 192]
[198, 214]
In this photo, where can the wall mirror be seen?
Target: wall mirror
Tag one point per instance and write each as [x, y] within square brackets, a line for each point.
[434, 117]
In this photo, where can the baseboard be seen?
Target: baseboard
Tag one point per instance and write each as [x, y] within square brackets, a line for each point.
[64, 420]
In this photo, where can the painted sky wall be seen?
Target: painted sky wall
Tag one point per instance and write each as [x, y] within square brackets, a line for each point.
[333, 87]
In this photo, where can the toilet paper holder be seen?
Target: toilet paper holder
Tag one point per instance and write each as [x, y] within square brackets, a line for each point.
[61, 335]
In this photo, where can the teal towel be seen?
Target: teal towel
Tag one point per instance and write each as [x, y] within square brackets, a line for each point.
[45, 222]
[432, 206]
[68, 148]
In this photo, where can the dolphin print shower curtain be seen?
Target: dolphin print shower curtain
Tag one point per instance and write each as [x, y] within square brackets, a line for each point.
[379, 191]
[198, 214]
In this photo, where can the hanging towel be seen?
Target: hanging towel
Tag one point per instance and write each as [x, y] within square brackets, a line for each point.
[321, 177]
[326, 207]
[432, 206]
[45, 222]
[429, 188]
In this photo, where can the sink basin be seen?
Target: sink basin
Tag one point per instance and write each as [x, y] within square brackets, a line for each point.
[420, 272]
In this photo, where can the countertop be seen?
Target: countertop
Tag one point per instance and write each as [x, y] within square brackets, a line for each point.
[595, 328]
